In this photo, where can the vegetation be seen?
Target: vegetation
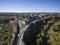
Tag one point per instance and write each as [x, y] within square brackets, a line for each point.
[6, 34]
[50, 33]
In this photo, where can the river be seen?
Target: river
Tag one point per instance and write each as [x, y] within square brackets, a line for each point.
[16, 35]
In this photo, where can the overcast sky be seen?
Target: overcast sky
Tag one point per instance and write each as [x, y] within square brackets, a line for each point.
[29, 5]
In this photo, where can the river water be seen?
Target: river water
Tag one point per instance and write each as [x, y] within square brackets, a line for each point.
[16, 35]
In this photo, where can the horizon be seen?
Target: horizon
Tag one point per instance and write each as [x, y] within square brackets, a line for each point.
[30, 6]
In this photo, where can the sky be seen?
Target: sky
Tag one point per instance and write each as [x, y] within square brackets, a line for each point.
[29, 5]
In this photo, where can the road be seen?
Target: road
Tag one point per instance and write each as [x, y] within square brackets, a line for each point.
[22, 32]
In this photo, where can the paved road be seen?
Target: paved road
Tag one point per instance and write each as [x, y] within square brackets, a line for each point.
[24, 29]
[22, 32]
